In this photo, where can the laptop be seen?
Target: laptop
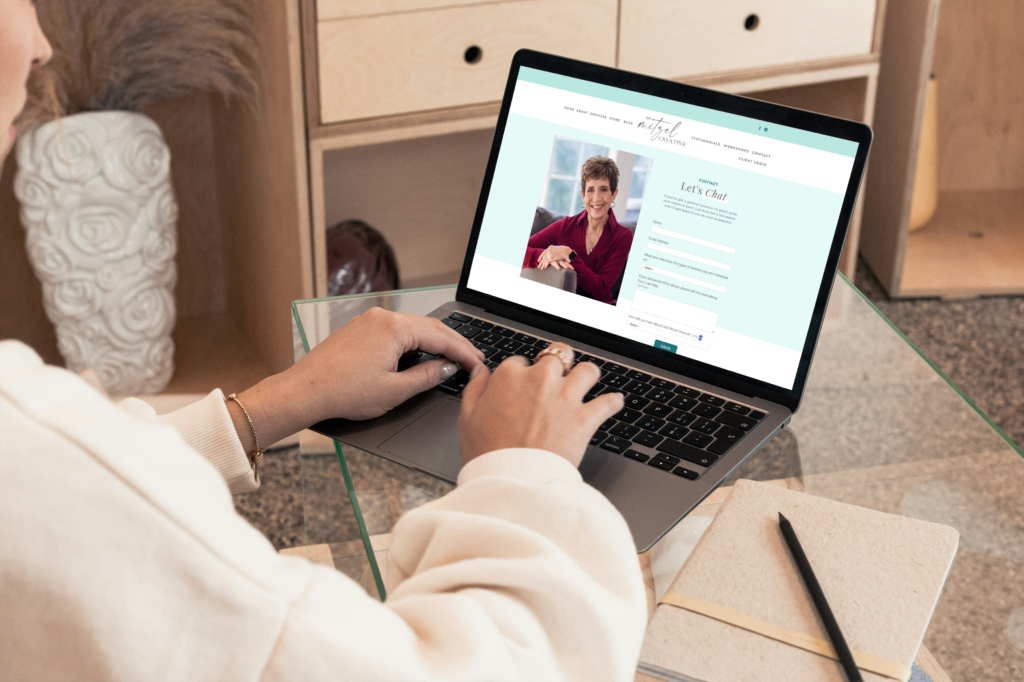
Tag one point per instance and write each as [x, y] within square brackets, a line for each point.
[705, 316]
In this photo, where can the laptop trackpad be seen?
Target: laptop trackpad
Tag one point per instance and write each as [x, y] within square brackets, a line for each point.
[431, 442]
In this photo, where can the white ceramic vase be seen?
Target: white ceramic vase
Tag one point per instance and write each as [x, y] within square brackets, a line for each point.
[101, 232]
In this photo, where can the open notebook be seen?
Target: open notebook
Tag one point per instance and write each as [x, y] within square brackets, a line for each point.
[881, 573]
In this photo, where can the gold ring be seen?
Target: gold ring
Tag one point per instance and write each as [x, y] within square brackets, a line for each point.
[558, 353]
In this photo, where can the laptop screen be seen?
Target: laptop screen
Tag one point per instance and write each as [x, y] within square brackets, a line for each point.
[710, 243]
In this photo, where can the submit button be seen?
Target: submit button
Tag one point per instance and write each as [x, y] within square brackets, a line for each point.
[666, 346]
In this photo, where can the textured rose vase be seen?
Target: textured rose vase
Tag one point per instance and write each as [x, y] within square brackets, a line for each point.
[100, 221]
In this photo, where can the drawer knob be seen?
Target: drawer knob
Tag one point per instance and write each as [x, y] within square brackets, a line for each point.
[751, 22]
[473, 54]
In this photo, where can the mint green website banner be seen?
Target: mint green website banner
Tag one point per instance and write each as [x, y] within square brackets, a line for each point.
[694, 113]
[781, 230]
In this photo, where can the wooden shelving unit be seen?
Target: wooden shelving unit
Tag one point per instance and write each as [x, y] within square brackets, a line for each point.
[974, 244]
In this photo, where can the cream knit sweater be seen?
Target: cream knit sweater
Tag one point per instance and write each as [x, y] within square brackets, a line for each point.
[122, 558]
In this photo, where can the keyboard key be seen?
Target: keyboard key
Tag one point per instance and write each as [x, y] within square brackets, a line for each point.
[598, 438]
[490, 338]
[682, 402]
[687, 452]
[638, 456]
[659, 395]
[588, 398]
[650, 423]
[459, 317]
[735, 420]
[647, 438]
[636, 402]
[661, 464]
[704, 425]
[595, 390]
[674, 431]
[483, 324]
[624, 430]
[697, 440]
[638, 375]
[491, 365]
[721, 445]
[590, 358]
[712, 400]
[687, 391]
[607, 424]
[507, 345]
[525, 338]
[756, 415]
[627, 415]
[408, 360]
[468, 330]
[659, 411]
[616, 444]
[685, 473]
[487, 350]
[503, 331]
[682, 418]
[455, 384]
[616, 380]
[737, 408]
[706, 410]
[661, 383]
[637, 387]
[500, 356]
[541, 344]
[528, 352]
[668, 458]
[612, 367]
[610, 389]
[452, 323]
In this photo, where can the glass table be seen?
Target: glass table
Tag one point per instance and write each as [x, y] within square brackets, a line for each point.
[880, 426]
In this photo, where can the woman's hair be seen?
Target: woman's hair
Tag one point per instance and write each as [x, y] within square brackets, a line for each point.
[597, 167]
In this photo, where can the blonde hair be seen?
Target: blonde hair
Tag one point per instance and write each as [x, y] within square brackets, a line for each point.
[597, 167]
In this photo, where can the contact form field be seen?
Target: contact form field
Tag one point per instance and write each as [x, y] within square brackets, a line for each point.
[693, 240]
[651, 246]
[674, 311]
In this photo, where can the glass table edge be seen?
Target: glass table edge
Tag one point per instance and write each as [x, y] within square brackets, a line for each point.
[995, 427]
[349, 485]
[371, 294]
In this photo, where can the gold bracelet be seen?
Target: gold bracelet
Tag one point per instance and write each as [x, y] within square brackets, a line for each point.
[256, 457]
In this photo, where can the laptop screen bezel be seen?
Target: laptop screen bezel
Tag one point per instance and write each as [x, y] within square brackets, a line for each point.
[678, 92]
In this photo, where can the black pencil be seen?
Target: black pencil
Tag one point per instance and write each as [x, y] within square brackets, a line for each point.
[831, 626]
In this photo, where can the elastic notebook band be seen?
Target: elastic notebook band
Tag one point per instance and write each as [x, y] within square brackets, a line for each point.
[800, 640]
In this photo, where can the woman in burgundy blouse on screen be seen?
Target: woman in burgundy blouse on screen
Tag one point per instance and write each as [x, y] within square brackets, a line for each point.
[592, 243]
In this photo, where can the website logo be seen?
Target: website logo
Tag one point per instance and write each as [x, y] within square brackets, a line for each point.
[662, 130]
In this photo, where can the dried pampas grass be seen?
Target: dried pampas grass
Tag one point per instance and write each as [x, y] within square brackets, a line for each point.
[127, 54]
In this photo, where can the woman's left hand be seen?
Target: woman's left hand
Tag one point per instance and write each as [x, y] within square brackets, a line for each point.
[557, 256]
[353, 374]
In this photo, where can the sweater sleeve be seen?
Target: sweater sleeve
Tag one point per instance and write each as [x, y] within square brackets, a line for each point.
[599, 283]
[207, 427]
[542, 240]
[522, 572]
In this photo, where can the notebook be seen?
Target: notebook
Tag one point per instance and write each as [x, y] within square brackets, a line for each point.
[882, 575]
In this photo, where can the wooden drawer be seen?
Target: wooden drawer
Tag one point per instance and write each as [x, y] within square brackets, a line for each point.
[415, 61]
[673, 39]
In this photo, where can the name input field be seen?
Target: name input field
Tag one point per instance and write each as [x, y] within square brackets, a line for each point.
[651, 246]
[682, 278]
[693, 240]
[675, 314]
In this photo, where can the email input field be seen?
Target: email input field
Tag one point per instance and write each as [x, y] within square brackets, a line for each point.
[693, 240]
[651, 246]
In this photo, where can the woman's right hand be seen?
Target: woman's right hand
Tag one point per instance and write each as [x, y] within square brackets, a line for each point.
[533, 406]
[555, 256]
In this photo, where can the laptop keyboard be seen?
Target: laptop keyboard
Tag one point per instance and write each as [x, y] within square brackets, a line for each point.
[663, 424]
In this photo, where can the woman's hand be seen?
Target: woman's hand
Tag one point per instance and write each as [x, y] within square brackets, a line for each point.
[524, 406]
[556, 256]
[352, 374]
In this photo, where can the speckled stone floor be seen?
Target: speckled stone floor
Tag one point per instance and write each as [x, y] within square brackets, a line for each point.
[978, 343]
